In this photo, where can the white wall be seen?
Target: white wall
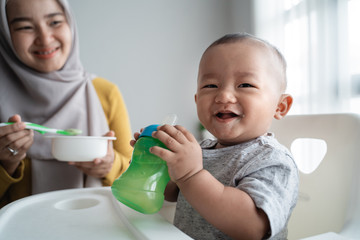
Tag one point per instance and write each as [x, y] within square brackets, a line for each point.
[151, 49]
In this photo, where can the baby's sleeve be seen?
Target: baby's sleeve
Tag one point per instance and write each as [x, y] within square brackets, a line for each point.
[272, 182]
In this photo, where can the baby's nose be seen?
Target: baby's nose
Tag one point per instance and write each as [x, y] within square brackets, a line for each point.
[225, 96]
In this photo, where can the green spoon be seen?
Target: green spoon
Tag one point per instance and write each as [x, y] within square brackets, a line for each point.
[42, 129]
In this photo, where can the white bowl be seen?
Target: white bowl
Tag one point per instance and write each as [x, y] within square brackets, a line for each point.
[79, 148]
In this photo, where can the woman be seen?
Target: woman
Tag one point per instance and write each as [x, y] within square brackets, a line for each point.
[43, 81]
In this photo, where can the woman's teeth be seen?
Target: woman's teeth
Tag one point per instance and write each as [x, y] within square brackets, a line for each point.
[46, 52]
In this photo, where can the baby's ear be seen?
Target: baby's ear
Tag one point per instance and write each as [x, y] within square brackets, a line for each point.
[284, 106]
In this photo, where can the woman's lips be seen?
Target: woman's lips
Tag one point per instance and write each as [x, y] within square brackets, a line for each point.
[46, 53]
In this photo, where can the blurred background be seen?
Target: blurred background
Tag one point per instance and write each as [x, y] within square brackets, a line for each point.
[151, 50]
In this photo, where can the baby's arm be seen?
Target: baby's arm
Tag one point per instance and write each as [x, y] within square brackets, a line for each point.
[229, 209]
[171, 192]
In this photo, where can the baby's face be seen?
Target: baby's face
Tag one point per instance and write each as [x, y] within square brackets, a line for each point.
[238, 94]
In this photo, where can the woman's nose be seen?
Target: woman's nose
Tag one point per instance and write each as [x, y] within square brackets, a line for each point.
[44, 36]
[225, 96]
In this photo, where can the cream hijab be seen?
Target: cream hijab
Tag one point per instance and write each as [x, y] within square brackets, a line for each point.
[62, 99]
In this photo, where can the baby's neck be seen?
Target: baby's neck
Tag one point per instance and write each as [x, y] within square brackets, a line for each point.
[228, 144]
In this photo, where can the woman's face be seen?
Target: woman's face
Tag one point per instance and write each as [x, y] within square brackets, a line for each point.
[40, 33]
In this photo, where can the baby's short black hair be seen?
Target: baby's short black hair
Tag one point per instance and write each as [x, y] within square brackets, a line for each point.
[239, 37]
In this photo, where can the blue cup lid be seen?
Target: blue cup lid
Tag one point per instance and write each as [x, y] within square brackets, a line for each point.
[149, 130]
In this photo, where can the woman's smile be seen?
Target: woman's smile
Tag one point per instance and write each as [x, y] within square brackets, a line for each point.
[46, 53]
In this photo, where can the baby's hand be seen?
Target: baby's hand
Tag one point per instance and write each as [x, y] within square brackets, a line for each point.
[136, 137]
[184, 157]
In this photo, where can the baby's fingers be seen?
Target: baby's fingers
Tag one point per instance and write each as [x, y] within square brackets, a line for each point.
[162, 153]
[170, 132]
[189, 136]
[170, 142]
[136, 137]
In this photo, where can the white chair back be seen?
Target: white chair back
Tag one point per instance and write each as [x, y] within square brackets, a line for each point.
[329, 196]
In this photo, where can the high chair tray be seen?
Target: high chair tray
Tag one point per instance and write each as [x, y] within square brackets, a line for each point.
[89, 213]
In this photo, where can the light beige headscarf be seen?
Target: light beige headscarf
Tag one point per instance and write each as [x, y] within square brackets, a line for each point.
[61, 99]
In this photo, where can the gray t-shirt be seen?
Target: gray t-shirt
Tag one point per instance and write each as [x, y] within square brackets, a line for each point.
[263, 168]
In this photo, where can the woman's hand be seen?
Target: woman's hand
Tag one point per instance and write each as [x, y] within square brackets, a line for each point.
[100, 167]
[15, 141]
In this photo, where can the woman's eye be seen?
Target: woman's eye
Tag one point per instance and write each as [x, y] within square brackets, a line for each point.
[245, 85]
[19, 28]
[55, 23]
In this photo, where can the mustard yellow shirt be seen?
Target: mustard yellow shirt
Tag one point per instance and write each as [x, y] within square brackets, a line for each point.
[19, 184]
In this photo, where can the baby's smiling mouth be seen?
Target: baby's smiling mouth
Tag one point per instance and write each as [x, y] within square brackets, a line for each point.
[226, 115]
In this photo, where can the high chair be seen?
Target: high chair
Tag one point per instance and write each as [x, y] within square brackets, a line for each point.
[326, 149]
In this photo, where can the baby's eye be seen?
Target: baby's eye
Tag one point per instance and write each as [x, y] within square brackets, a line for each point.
[210, 86]
[245, 85]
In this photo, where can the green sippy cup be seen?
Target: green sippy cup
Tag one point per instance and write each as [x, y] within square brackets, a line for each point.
[141, 187]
